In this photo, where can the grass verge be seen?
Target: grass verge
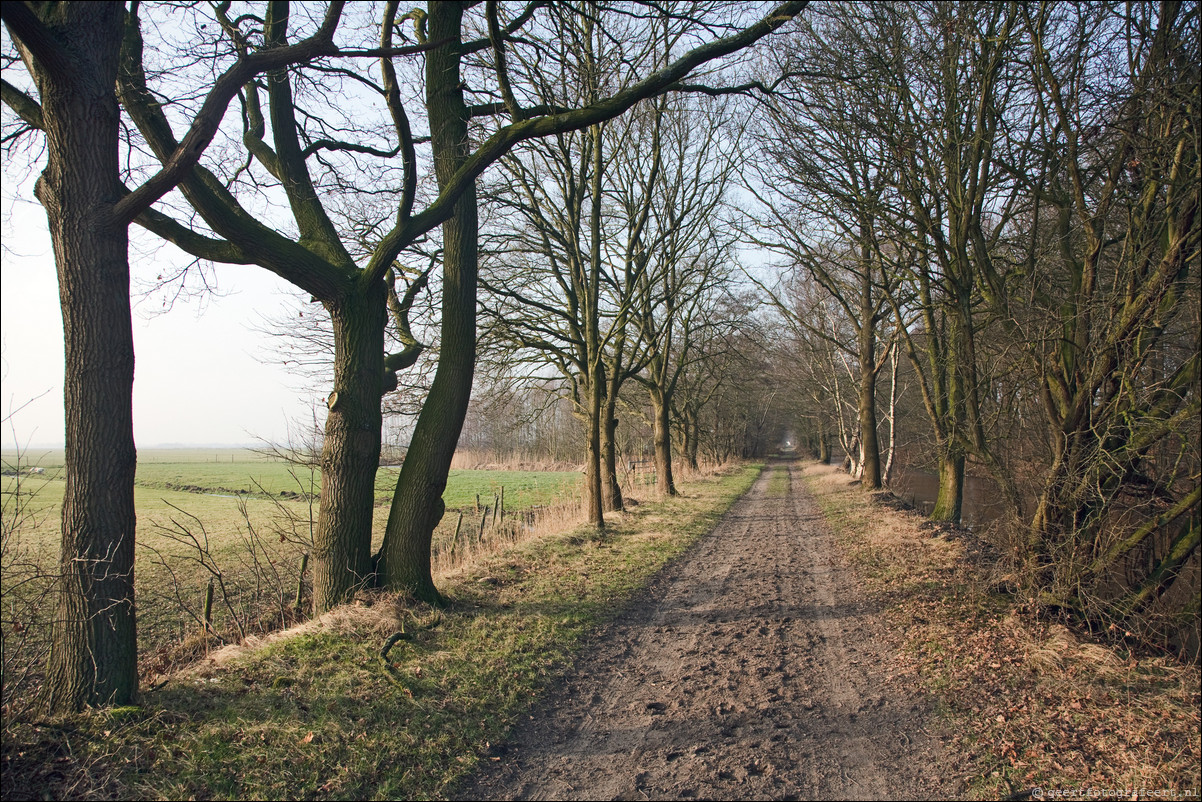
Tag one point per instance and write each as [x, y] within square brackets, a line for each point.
[237, 520]
[1026, 703]
[320, 714]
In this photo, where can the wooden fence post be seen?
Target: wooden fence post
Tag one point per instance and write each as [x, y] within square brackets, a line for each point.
[455, 539]
[300, 580]
[208, 609]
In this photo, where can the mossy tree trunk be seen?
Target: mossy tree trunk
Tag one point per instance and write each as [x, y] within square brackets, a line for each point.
[950, 501]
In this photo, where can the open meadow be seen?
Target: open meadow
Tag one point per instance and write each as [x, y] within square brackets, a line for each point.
[240, 523]
[235, 471]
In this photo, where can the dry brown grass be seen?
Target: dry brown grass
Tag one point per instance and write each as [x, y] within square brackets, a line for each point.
[384, 613]
[454, 554]
[1028, 703]
[512, 461]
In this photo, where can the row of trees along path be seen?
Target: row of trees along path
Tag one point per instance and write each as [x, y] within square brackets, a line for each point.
[452, 98]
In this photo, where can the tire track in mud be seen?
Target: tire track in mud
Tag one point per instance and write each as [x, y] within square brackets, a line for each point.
[752, 669]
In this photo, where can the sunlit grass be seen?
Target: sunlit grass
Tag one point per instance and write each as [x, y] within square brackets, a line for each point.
[322, 715]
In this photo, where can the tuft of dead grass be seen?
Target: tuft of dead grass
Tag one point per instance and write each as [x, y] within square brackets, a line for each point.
[1028, 703]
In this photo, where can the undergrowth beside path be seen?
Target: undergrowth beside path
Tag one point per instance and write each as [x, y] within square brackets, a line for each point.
[322, 713]
[1035, 709]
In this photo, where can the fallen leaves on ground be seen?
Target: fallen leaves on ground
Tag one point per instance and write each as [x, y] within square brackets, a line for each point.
[1028, 702]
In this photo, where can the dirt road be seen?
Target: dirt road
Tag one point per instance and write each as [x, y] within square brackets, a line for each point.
[752, 669]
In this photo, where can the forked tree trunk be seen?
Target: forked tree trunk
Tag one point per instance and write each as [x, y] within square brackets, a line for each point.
[1056, 510]
[350, 450]
[94, 654]
[417, 506]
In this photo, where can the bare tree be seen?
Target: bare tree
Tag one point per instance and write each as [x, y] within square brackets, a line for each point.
[905, 196]
[71, 53]
[470, 57]
[683, 249]
[829, 189]
[1114, 257]
[545, 291]
[723, 348]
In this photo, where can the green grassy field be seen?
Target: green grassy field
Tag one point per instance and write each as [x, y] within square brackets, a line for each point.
[240, 471]
[230, 517]
[53, 457]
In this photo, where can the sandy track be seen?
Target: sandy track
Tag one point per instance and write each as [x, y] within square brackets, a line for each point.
[752, 669]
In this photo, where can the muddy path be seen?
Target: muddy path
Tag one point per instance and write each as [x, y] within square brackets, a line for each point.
[751, 669]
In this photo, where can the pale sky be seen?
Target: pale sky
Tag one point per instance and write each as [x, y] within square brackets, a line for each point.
[202, 374]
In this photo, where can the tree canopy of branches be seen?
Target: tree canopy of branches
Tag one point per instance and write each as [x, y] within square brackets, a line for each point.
[610, 269]
[459, 70]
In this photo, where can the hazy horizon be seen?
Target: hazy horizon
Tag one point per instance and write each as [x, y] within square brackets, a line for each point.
[204, 374]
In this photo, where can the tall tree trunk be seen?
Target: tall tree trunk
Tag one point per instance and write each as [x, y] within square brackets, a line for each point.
[870, 461]
[664, 482]
[417, 506]
[351, 449]
[593, 470]
[891, 449]
[870, 473]
[691, 436]
[594, 361]
[94, 654]
[950, 501]
[611, 487]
